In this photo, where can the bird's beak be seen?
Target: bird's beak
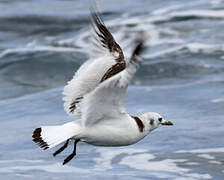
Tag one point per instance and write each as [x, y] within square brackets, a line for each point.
[167, 123]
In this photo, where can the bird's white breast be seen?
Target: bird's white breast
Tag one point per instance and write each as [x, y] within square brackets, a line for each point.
[119, 132]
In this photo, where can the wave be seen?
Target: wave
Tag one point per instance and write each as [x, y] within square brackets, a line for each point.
[175, 54]
[36, 49]
[43, 67]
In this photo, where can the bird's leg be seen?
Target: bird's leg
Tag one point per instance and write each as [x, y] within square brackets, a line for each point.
[61, 148]
[73, 153]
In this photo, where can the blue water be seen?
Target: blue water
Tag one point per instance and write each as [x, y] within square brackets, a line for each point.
[43, 42]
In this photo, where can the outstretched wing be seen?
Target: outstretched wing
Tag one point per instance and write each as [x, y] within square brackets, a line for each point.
[109, 62]
[106, 101]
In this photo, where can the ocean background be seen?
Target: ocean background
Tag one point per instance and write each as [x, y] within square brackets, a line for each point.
[43, 42]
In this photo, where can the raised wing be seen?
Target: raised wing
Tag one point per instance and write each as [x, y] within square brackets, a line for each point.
[105, 44]
[110, 61]
[103, 40]
[107, 100]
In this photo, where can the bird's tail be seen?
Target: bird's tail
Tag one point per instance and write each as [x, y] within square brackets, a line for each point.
[50, 136]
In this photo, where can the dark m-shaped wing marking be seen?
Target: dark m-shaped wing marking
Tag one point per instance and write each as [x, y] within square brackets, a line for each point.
[104, 38]
[74, 104]
[118, 67]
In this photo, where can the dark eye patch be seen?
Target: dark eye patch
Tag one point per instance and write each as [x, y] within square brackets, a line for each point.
[160, 119]
[151, 122]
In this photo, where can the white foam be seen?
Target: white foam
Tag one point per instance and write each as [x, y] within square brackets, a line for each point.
[215, 162]
[143, 162]
[199, 13]
[218, 100]
[207, 66]
[81, 40]
[52, 168]
[199, 176]
[166, 9]
[206, 156]
[174, 7]
[164, 52]
[67, 42]
[24, 175]
[192, 163]
[208, 150]
[37, 49]
[166, 168]
[192, 47]
[205, 48]
[21, 160]
[104, 161]
[162, 175]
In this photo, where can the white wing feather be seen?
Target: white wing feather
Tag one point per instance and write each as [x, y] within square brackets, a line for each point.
[107, 100]
[110, 61]
[85, 80]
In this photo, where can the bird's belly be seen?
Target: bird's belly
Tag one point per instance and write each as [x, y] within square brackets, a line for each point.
[111, 137]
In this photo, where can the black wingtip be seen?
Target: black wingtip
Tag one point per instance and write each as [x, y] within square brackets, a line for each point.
[141, 43]
[140, 46]
[94, 12]
[38, 139]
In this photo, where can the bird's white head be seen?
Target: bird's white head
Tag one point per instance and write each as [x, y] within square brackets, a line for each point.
[152, 120]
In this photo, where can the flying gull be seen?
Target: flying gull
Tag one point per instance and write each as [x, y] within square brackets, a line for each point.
[96, 96]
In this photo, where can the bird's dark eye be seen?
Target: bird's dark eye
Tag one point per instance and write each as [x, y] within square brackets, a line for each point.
[160, 119]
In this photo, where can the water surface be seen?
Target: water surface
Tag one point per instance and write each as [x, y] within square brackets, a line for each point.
[43, 42]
